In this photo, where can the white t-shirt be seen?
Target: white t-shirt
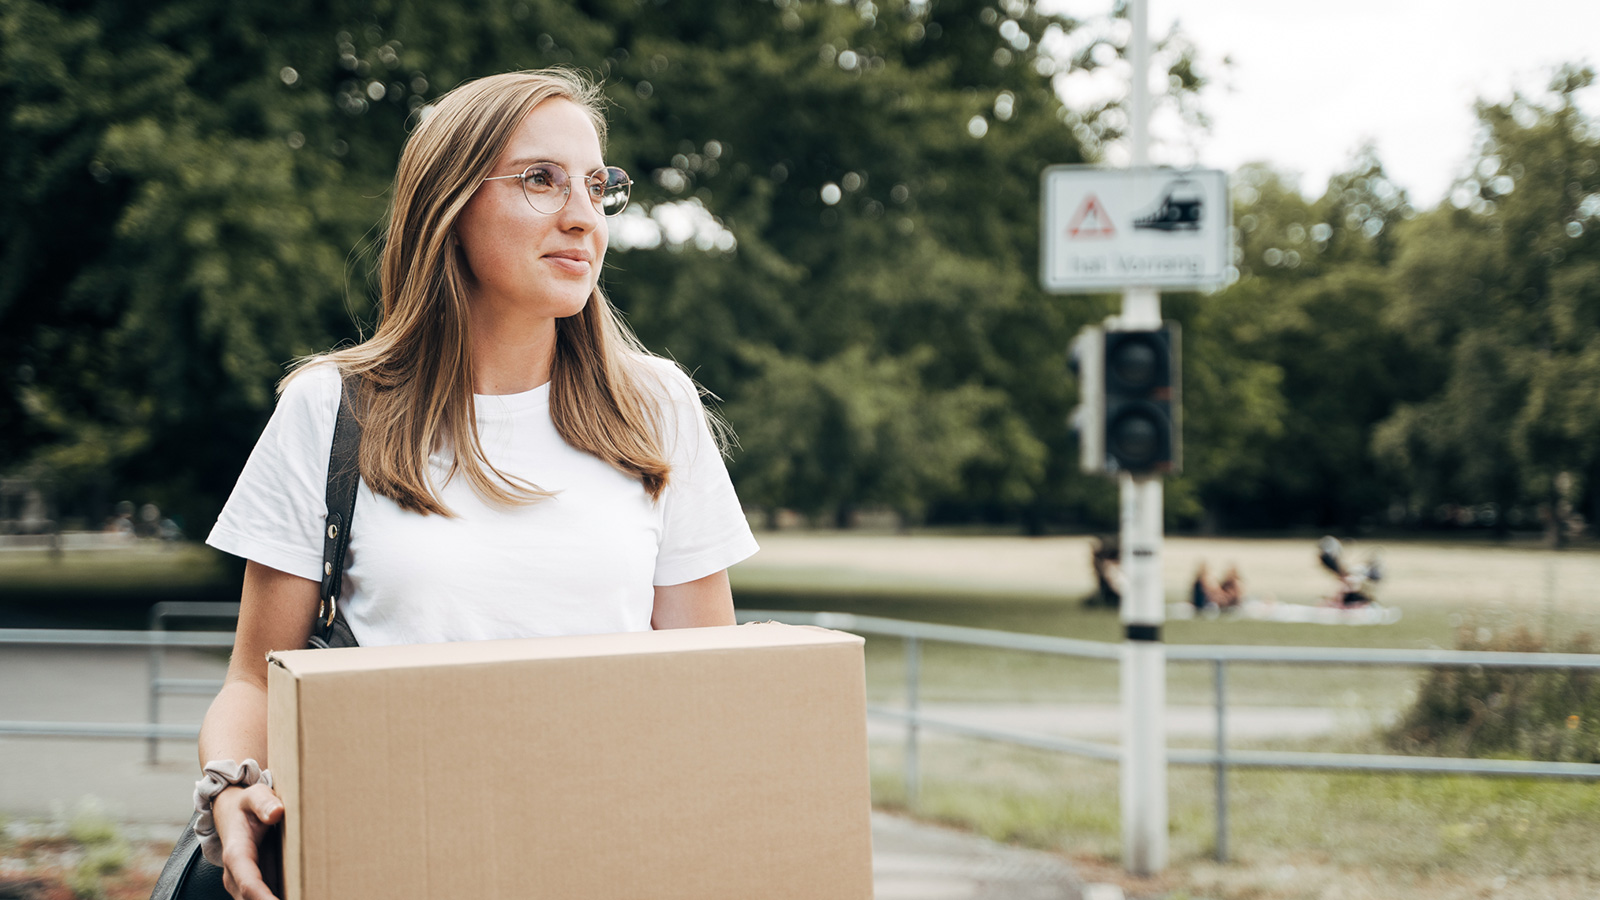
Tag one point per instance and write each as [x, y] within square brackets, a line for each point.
[582, 562]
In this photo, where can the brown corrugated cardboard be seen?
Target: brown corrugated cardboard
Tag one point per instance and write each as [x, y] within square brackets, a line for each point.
[697, 764]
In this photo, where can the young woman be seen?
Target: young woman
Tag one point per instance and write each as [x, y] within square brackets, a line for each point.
[527, 468]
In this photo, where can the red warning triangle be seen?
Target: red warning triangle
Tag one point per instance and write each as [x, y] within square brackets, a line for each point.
[1091, 220]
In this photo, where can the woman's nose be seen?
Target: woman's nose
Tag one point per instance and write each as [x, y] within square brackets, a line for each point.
[580, 211]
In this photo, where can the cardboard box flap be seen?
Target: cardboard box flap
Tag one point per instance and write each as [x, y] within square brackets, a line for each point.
[756, 635]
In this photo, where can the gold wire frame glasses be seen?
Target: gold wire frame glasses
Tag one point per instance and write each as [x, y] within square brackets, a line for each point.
[547, 188]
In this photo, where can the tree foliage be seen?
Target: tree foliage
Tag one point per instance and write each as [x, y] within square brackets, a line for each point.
[834, 227]
[1500, 291]
[199, 184]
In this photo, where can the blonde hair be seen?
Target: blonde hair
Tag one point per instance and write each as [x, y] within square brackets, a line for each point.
[416, 370]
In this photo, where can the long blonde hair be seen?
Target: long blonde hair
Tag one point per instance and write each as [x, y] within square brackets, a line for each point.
[416, 370]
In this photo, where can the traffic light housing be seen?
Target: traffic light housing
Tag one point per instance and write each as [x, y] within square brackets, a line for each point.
[1130, 415]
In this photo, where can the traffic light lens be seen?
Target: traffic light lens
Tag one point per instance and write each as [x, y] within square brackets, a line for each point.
[1135, 439]
[1136, 364]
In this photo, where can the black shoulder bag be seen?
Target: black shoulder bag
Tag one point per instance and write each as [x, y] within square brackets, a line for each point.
[187, 875]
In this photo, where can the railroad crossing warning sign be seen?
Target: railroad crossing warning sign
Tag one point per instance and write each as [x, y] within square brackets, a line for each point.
[1091, 220]
[1104, 229]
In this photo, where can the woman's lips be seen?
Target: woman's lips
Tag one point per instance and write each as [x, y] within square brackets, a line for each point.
[572, 265]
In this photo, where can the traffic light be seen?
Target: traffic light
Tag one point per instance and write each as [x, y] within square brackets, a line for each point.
[1129, 418]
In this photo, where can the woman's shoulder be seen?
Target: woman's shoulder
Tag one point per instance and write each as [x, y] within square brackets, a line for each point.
[312, 390]
[685, 423]
[665, 380]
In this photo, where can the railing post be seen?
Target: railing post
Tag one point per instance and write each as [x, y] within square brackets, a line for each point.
[913, 776]
[1220, 678]
[153, 744]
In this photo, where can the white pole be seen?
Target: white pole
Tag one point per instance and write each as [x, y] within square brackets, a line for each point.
[1144, 680]
[1139, 90]
[1144, 657]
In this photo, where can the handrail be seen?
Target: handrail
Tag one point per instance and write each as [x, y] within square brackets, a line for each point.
[955, 634]
[96, 637]
[1242, 653]
[1219, 655]
[159, 685]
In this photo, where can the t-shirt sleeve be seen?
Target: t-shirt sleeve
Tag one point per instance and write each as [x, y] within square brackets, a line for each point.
[704, 529]
[276, 512]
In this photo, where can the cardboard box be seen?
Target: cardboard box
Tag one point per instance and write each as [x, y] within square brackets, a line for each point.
[699, 764]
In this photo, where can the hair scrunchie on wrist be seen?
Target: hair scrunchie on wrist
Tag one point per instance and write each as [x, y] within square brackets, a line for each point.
[220, 774]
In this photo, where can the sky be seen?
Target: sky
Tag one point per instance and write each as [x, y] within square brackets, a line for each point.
[1310, 81]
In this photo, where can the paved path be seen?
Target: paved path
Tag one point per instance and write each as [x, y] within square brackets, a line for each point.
[913, 861]
[47, 778]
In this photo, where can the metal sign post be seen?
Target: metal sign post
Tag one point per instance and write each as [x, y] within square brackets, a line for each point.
[1138, 229]
[1144, 658]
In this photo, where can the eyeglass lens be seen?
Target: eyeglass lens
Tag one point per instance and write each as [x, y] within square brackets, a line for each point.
[546, 185]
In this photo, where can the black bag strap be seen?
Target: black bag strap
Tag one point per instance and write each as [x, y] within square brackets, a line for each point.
[344, 478]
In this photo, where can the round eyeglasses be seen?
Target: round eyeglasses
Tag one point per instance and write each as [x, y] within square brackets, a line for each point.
[548, 187]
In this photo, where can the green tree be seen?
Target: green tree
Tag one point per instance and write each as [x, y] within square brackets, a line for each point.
[1501, 290]
[170, 237]
[885, 228]
[1301, 357]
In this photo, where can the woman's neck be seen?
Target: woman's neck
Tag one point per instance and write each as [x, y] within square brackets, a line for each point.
[510, 357]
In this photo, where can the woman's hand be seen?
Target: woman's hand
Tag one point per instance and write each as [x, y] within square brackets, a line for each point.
[243, 817]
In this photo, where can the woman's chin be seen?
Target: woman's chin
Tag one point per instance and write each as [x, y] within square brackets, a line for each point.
[572, 308]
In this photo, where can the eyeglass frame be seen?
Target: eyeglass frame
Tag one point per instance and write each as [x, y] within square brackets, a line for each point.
[588, 179]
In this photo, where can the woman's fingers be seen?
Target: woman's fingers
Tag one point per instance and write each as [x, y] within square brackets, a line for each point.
[241, 876]
[266, 806]
[257, 891]
[256, 809]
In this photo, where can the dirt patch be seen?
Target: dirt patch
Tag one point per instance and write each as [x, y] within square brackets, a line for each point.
[54, 869]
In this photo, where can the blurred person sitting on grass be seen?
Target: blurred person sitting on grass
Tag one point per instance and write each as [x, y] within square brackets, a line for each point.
[1230, 590]
[1355, 582]
[1105, 555]
[1203, 593]
[527, 467]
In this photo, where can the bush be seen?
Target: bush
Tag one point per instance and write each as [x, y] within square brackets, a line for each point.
[1473, 711]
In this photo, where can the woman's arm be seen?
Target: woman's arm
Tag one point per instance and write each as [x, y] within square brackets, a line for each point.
[275, 613]
[705, 601]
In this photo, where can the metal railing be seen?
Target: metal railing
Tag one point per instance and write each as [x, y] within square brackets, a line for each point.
[1220, 757]
[160, 614]
[157, 640]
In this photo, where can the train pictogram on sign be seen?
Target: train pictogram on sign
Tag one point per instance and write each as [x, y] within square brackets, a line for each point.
[1179, 209]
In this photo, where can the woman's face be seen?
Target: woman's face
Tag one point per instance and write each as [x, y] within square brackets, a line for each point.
[522, 262]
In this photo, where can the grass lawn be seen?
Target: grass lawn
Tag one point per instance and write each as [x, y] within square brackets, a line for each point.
[109, 588]
[1293, 835]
